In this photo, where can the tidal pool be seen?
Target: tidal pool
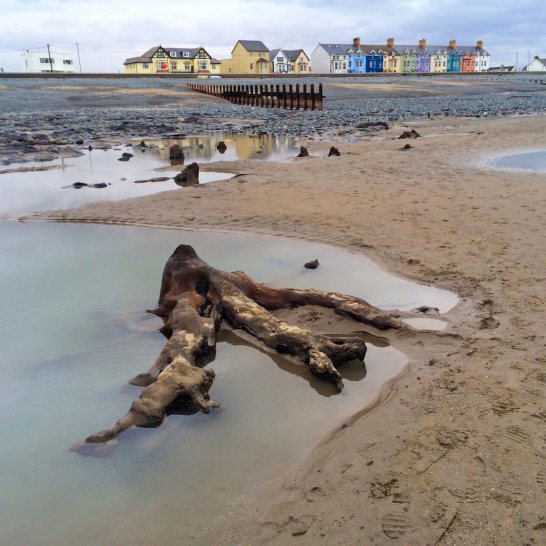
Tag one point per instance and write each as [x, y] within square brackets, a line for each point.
[74, 331]
[33, 191]
[524, 161]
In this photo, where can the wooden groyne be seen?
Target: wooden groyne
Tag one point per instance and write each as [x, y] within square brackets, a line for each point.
[289, 97]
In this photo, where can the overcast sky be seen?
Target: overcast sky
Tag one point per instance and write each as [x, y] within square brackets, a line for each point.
[108, 31]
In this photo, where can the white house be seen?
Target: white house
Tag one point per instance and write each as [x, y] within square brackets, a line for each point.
[289, 60]
[482, 58]
[330, 58]
[536, 65]
[39, 60]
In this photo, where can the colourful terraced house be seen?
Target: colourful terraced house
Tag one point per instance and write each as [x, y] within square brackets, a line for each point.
[391, 57]
[173, 60]
[364, 58]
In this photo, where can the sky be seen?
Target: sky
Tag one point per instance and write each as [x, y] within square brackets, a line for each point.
[108, 31]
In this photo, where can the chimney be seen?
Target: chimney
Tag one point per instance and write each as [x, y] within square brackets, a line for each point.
[356, 42]
[479, 44]
[453, 43]
[422, 42]
[390, 42]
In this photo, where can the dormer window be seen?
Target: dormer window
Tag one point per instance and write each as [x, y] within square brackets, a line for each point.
[173, 53]
[186, 54]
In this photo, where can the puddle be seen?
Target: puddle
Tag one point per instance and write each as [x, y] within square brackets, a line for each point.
[203, 148]
[81, 291]
[534, 161]
[32, 191]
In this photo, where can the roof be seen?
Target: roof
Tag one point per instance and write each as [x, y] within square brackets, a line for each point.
[215, 61]
[253, 45]
[290, 54]
[367, 49]
[172, 52]
[433, 49]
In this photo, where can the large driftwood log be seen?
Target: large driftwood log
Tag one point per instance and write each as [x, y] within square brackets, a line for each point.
[193, 299]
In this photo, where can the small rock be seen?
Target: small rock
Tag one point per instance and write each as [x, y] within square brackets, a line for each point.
[221, 147]
[410, 134]
[189, 176]
[406, 147]
[333, 152]
[303, 152]
[313, 264]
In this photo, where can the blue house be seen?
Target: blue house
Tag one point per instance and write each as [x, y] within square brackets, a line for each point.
[453, 58]
[363, 59]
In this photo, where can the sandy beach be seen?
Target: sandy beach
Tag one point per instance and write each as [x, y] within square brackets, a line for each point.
[454, 454]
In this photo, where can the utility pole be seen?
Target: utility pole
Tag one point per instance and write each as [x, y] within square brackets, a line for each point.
[79, 60]
[50, 59]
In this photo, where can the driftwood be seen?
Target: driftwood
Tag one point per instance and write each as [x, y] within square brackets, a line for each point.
[194, 299]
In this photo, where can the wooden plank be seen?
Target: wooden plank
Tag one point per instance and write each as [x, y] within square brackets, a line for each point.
[313, 97]
[305, 96]
[291, 93]
[297, 96]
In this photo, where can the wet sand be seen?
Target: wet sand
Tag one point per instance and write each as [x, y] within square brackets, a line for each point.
[455, 453]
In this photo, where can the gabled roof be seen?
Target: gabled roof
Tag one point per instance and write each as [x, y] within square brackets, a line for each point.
[273, 53]
[172, 52]
[252, 45]
[144, 58]
[293, 54]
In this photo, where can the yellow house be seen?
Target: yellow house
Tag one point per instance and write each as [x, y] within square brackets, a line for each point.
[248, 57]
[391, 58]
[173, 60]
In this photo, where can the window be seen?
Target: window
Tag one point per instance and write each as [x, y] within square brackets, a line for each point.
[186, 54]
[173, 53]
[202, 55]
[160, 55]
[67, 61]
[187, 66]
[173, 65]
[344, 66]
[145, 65]
[162, 65]
[280, 59]
[46, 60]
[251, 66]
[203, 65]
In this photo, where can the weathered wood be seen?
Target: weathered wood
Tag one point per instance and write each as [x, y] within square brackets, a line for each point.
[193, 299]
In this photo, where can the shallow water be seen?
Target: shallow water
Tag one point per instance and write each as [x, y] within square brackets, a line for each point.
[203, 148]
[32, 191]
[74, 331]
[526, 161]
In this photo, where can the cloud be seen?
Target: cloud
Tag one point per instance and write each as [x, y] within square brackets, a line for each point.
[108, 32]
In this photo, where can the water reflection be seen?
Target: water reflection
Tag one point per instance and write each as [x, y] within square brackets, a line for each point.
[207, 147]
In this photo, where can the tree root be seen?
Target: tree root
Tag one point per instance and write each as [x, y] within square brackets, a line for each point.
[193, 300]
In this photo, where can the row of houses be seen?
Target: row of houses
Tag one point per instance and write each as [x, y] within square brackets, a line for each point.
[254, 57]
[357, 58]
[247, 57]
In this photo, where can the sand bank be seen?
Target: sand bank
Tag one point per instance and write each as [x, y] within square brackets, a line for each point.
[456, 453]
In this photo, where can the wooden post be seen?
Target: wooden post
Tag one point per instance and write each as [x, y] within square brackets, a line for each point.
[305, 96]
[321, 96]
[284, 104]
[313, 96]
[261, 95]
[297, 96]
[278, 95]
[290, 90]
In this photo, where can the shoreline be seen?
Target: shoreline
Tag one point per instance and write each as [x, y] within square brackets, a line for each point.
[435, 469]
